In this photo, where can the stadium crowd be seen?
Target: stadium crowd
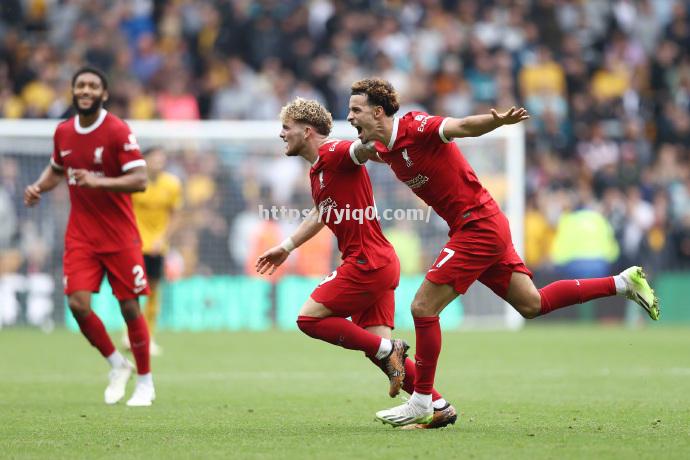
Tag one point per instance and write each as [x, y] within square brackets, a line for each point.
[607, 84]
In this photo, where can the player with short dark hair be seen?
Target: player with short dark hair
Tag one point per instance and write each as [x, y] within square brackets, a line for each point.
[419, 149]
[100, 158]
[363, 286]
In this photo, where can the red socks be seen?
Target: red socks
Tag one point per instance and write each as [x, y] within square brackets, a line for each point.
[570, 292]
[428, 336]
[139, 340]
[94, 331]
[341, 332]
[410, 375]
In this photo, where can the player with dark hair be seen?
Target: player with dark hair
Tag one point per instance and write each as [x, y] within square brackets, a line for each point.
[363, 286]
[100, 158]
[157, 217]
[419, 149]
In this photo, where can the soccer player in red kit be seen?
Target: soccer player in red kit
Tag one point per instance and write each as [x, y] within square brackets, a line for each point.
[99, 156]
[419, 149]
[363, 286]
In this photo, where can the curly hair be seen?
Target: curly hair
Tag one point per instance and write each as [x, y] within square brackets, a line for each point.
[378, 92]
[309, 112]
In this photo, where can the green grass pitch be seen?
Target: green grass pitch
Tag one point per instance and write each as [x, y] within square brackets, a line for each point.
[544, 392]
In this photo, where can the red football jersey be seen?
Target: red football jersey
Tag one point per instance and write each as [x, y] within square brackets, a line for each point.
[342, 192]
[435, 169]
[101, 220]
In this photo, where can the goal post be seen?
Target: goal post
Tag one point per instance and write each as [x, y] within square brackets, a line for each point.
[247, 157]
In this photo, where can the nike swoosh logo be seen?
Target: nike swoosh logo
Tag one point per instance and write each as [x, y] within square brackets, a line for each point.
[432, 270]
[64, 153]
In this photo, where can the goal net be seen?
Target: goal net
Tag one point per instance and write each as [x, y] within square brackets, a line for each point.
[242, 195]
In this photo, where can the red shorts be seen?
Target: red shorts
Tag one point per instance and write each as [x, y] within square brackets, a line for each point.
[482, 250]
[367, 296]
[83, 270]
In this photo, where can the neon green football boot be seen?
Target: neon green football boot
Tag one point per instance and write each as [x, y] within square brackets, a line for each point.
[639, 291]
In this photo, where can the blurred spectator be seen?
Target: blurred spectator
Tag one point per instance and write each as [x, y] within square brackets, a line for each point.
[584, 245]
[539, 234]
[176, 103]
[639, 219]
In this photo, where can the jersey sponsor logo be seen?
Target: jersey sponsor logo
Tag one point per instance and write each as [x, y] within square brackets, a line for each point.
[71, 180]
[417, 181]
[64, 153]
[328, 203]
[98, 155]
[131, 144]
[424, 120]
[406, 157]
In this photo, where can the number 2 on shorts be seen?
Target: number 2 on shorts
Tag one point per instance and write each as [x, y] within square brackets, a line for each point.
[139, 280]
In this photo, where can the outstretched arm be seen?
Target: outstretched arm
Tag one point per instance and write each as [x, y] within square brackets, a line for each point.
[274, 257]
[135, 180]
[476, 125]
[48, 180]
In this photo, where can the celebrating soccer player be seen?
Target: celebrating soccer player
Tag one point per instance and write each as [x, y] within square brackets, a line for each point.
[362, 287]
[419, 149]
[100, 158]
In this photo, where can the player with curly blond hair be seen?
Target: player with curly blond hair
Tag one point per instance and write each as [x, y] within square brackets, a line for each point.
[363, 286]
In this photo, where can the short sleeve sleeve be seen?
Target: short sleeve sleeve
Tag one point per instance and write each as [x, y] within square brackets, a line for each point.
[340, 156]
[128, 152]
[429, 128]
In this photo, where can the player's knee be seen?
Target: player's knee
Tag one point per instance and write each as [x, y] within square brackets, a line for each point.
[79, 308]
[421, 309]
[130, 309]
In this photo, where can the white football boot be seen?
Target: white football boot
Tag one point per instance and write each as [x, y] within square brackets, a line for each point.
[154, 348]
[118, 378]
[406, 414]
[143, 396]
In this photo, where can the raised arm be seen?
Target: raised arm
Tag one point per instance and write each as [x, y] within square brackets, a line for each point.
[134, 180]
[48, 180]
[476, 125]
[274, 257]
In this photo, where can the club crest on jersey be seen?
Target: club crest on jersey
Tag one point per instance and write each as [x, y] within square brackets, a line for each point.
[98, 155]
[321, 180]
[406, 157]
